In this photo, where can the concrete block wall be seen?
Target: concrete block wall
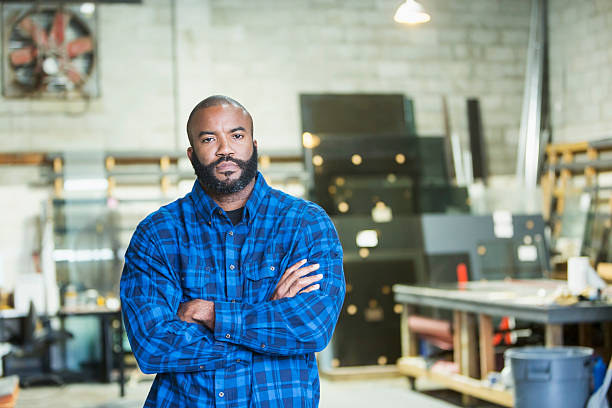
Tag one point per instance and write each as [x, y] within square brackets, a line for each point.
[266, 52]
[581, 69]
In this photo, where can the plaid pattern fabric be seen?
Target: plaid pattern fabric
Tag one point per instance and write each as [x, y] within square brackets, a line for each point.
[261, 352]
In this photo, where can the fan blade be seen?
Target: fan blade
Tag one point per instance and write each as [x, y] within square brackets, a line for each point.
[36, 32]
[79, 46]
[23, 56]
[58, 29]
[73, 75]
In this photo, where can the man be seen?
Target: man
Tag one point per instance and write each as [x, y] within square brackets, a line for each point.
[229, 291]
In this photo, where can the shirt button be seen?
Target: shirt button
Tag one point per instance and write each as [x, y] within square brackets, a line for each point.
[232, 267]
[209, 223]
[272, 268]
[231, 232]
[233, 300]
[221, 394]
[220, 212]
[227, 336]
[201, 366]
[238, 360]
[263, 346]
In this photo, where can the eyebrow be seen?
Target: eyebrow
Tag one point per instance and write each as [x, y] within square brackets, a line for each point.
[208, 132]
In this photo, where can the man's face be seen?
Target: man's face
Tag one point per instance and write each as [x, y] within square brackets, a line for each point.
[223, 153]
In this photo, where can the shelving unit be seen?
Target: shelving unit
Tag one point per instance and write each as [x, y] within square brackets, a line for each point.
[578, 177]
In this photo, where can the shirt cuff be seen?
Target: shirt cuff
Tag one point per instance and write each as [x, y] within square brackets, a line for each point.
[228, 321]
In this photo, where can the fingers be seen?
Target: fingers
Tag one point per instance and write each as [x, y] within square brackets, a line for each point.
[293, 268]
[184, 314]
[299, 273]
[300, 284]
[311, 288]
[296, 265]
[294, 280]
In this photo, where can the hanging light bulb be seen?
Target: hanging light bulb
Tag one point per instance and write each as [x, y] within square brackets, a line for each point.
[411, 12]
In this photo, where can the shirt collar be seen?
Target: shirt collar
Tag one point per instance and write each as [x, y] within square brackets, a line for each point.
[206, 206]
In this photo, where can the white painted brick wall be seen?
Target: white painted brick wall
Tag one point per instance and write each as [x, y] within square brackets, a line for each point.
[266, 53]
[581, 69]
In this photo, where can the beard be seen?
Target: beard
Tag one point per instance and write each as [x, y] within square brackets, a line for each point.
[208, 180]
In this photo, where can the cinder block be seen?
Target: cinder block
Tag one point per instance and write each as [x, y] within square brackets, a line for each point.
[518, 37]
[481, 36]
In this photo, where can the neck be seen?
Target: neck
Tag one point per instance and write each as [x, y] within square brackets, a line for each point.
[233, 201]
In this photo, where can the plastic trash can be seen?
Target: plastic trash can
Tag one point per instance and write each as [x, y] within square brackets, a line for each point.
[557, 377]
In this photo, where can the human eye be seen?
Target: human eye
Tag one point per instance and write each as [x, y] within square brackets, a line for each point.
[207, 139]
[238, 136]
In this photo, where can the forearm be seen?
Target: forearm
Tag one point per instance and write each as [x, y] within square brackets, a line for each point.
[162, 343]
[297, 325]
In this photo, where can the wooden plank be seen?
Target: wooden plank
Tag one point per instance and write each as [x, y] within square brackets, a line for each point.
[361, 372]
[560, 148]
[33, 159]
[554, 335]
[409, 340]
[468, 366]
[415, 367]
[457, 324]
[589, 172]
[487, 352]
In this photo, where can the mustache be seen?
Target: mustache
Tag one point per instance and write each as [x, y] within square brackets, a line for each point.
[227, 158]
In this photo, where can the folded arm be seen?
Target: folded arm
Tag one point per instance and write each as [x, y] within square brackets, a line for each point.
[299, 324]
[150, 296]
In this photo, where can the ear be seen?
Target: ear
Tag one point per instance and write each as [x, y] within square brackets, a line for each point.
[189, 152]
[255, 143]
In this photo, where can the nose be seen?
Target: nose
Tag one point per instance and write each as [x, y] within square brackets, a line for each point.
[224, 148]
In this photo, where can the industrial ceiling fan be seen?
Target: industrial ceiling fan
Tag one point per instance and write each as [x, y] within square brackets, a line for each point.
[48, 51]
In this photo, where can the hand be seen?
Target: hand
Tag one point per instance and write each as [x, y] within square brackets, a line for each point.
[198, 311]
[295, 280]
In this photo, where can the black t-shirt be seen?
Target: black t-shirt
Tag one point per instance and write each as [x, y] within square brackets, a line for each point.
[235, 216]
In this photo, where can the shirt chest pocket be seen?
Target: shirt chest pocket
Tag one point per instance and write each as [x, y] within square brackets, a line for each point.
[199, 282]
[261, 278]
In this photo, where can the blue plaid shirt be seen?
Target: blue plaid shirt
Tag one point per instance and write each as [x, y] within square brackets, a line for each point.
[261, 352]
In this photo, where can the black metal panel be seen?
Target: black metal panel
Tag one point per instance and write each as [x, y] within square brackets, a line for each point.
[399, 237]
[477, 141]
[441, 199]
[501, 261]
[406, 174]
[368, 330]
[372, 114]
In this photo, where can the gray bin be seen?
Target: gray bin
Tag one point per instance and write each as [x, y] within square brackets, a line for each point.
[557, 377]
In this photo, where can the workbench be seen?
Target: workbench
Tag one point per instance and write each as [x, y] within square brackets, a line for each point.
[473, 305]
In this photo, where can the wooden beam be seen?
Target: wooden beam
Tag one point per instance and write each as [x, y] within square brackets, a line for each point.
[560, 148]
[415, 367]
[457, 324]
[487, 352]
[410, 344]
[28, 159]
[553, 335]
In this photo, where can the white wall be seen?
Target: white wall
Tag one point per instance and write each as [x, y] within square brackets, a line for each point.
[581, 69]
[266, 52]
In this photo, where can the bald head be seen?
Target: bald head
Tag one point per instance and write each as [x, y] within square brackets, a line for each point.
[215, 100]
